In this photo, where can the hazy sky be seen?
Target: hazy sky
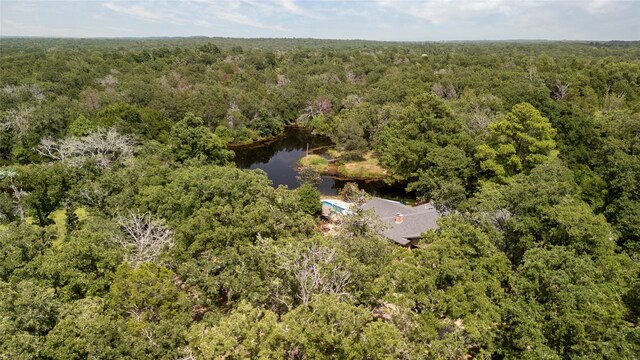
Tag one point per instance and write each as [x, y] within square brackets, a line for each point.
[372, 19]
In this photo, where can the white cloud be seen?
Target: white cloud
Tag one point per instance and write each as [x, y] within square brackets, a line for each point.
[149, 12]
[598, 6]
[445, 11]
[239, 19]
[291, 7]
[136, 11]
[243, 12]
[203, 13]
[371, 19]
[14, 28]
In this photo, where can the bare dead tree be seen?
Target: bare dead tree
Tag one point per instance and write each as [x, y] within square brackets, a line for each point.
[104, 146]
[351, 77]
[17, 193]
[91, 99]
[93, 195]
[18, 120]
[52, 149]
[479, 119]
[108, 81]
[33, 89]
[438, 89]
[11, 90]
[320, 106]
[145, 237]
[560, 91]
[532, 71]
[315, 270]
[497, 219]
[352, 100]
[401, 61]
[613, 101]
[187, 354]
[282, 81]
[17, 203]
[232, 112]
[330, 79]
[450, 92]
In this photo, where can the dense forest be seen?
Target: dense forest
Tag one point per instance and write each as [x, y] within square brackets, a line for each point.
[127, 232]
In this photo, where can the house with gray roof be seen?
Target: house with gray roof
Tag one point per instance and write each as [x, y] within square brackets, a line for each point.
[406, 223]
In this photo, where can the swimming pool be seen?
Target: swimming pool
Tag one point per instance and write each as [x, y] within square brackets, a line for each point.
[337, 206]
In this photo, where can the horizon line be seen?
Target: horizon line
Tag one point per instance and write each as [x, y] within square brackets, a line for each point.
[301, 38]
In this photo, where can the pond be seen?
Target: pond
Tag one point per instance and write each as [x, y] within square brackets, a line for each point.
[279, 158]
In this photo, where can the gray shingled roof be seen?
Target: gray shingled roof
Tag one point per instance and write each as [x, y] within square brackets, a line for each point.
[416, 220]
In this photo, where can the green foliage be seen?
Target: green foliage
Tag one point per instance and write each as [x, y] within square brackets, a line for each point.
[308, 175]
[79, 127]
[146, 122]
[317, 162]
[86, 329]
[267, 125]
[325, 328]
[349, 135]
[445, 179]
[541, 209]
[217, 213]
[46, 186]
[82, 265]
[309, 199]
[532, 148]
[573, 306]
[425, 146]
[247, 332]
[28, 311]
[521, 140]
[20, 244]
[71, 218]
[146, 293]
[189, 139]
[457, 282]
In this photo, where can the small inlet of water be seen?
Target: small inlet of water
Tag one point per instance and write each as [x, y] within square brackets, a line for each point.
[279, 160]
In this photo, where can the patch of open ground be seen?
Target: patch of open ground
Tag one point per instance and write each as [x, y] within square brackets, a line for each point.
[60, 219]
[367, 168]
[315, 161]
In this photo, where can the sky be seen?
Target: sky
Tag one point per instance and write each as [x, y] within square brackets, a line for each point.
[389, 20]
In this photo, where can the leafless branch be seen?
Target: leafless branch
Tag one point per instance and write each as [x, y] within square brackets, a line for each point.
[17, 204]
[145, 238]
[560, 91]
[104, 146]
[18, 120]
[320, 106]
[315, 270]
[17, 193]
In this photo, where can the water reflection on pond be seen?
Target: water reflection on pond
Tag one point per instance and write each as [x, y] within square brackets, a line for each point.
[279, 158]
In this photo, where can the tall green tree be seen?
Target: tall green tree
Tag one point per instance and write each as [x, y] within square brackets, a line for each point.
[520, 140]
[190, 139]
[46, 186]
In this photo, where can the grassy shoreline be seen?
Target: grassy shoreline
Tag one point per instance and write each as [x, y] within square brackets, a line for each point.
[315, 161]
[366, 168]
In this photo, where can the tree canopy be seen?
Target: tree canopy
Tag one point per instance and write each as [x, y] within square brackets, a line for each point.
[127, 232]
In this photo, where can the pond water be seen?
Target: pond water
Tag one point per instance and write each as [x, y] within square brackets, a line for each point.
[279, 160]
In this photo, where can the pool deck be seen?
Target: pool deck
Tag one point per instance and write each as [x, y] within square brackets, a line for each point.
[330, 206]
